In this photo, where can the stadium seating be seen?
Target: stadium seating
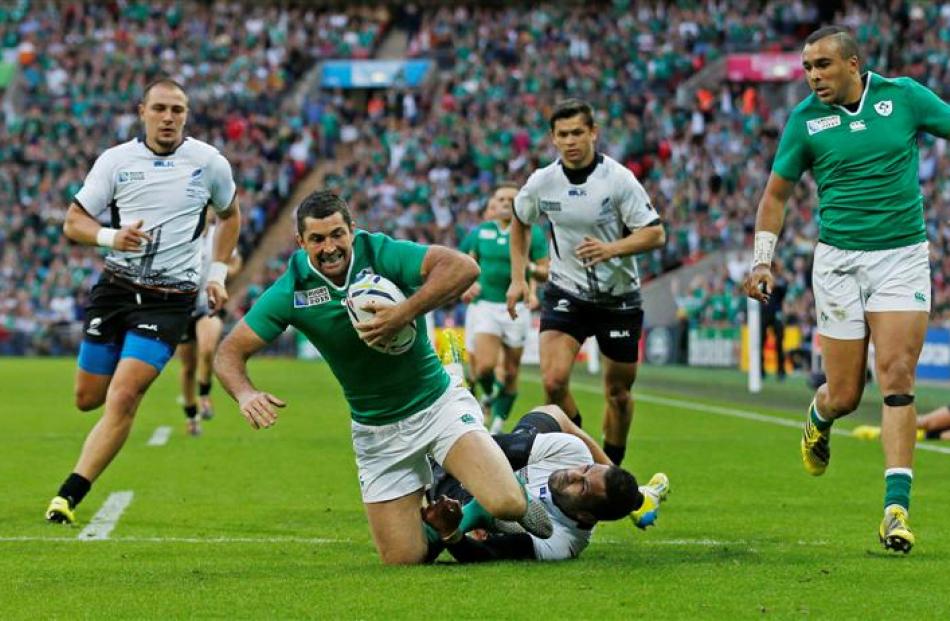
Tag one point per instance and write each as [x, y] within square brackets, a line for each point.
[419, 164]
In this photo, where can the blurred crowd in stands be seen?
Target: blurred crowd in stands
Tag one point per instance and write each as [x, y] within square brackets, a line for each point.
[420, 164]
[80, 71]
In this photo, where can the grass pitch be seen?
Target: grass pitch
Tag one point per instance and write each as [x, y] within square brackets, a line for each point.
[269, 524]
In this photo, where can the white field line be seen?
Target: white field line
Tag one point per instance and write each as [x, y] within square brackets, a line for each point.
[215, 540]
[160, 437]
[735, 413]
[706, 542]
[107, 517]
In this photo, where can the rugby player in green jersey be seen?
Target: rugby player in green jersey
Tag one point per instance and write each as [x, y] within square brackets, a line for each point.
[857, 134]
[403, 407]
[487, 317]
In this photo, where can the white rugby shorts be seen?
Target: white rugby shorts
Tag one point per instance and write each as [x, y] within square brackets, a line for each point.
[493, 318]
[849, 283]
[391, 459]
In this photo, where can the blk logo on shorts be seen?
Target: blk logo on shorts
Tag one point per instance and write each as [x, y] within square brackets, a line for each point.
[93, 328]
[562, 306]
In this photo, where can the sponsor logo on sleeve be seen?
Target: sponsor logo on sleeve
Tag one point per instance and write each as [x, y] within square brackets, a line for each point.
[826, 122]
[549, 206]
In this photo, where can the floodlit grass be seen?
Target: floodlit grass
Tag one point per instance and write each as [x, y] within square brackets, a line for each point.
[269, 524]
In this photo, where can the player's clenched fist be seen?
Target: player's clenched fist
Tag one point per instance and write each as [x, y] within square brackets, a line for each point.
[758, 284]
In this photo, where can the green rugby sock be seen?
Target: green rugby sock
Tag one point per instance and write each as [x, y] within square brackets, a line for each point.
[474, 516]
[485, 382]
[897, 483]
[817, 420]
[501, 406]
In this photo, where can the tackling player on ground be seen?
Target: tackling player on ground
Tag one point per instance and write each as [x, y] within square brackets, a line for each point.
[600, 218]
[569, 473]
[857, 133]
[404, 407]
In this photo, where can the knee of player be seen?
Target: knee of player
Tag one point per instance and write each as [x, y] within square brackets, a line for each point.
[125, 397]
[896, 375]
[555, 385]
[617, 394]
[87, 400]
[506, 503]
[844, 403]
[403, 556]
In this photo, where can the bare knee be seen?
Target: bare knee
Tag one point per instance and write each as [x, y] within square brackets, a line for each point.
[896, 376]
[842, 403]
[403, 556]
[619, 398]
[506, 502]
[124, 399]
[88, 399]
[555, 387]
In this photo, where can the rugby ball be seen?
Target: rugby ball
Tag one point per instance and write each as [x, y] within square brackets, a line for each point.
[373, 287]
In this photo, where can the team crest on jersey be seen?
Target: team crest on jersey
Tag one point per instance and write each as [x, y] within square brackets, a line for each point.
[884, 108]
[825, 122]
[311, 297]
[548, 206]
[130, 175]
[163, 163]
[577, 192]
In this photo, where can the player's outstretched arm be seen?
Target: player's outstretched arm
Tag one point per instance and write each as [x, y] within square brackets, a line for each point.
[82, 228]
[230, 365]
[768, 224]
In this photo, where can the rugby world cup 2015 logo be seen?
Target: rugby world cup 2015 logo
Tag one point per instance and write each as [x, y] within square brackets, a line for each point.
[884, 108]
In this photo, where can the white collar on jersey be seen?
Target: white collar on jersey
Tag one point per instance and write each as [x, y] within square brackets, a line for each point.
[864, 94]
[346, 283]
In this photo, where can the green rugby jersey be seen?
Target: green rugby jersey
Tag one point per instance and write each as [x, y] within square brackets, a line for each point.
[380, 388]
[489, 244]
[865, 162]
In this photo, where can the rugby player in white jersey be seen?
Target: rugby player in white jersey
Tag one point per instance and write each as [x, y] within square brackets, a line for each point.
[574, 480]
[600, 218]
[200, 341]
[145, 201]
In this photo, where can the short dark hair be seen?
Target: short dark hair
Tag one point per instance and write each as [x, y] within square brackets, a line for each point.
[322, 204]
[162, 81]
[567, 108]
[621, 498]
[847, 44]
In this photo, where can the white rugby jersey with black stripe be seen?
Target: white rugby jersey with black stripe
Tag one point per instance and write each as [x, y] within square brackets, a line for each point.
[549, 453]
[169, 193]
[608, 205]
